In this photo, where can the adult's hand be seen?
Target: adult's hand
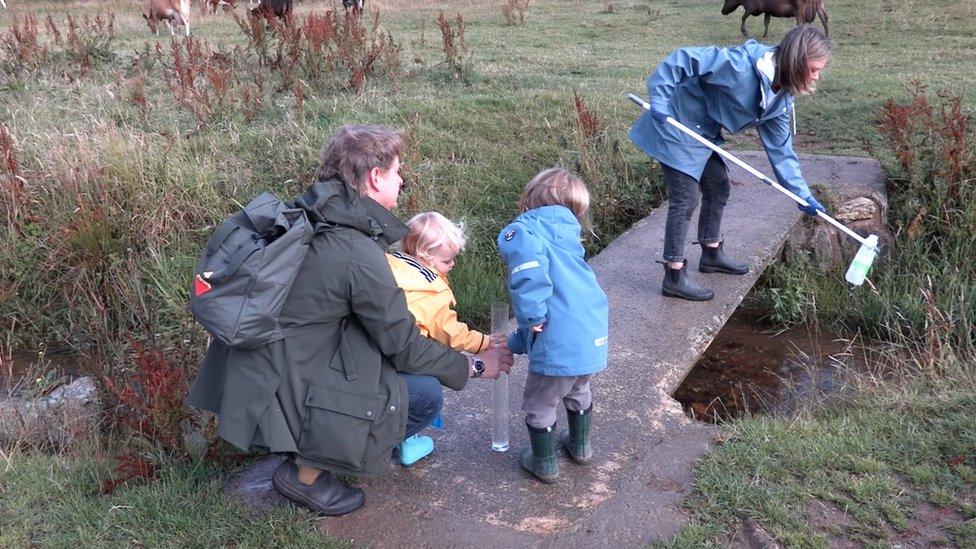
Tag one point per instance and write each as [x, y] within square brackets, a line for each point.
[812, 206]
[499, 349]
[491, 364]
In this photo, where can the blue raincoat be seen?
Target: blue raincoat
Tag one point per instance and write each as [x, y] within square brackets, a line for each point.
[711, 88]
[550, 283]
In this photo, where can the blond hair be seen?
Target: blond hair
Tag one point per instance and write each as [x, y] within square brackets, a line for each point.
[557, 187]
[801, 45]
[431, 230]
[354, 150]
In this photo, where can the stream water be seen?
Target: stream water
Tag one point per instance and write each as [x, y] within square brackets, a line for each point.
[751, 369]
[42, 369]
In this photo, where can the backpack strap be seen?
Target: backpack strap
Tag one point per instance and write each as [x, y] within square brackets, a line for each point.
[220, 235]
[234, 262]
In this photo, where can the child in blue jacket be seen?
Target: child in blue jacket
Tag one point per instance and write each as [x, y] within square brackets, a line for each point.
[562, 316]
[710, 89]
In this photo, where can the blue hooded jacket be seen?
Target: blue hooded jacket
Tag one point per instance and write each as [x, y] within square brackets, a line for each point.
[711, 88]
[550, 283]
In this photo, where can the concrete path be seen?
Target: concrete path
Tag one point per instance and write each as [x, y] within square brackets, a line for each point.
[466, 495]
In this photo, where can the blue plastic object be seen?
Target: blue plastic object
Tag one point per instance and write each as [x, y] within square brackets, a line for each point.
[438, 422]
[414, 449]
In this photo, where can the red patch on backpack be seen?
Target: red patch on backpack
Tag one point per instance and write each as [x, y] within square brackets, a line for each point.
[200, 286]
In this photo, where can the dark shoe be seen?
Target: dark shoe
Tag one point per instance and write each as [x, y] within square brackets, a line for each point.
[714, 260]
[326, 496]
[540, 458]
[677, 283]
[576, 439]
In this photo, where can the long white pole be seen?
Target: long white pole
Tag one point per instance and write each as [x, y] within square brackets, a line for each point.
[754, 172]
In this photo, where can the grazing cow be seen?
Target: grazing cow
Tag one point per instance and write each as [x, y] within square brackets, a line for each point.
[214, 4]
[276, 8]
[171, 11]
[356, 5]
[803, 10]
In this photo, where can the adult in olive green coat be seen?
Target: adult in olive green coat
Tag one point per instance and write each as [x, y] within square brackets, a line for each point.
[353, 375]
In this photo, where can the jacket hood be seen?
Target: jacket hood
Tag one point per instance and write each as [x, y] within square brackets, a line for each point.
[557, 223]
[335, 203]
[755, 50]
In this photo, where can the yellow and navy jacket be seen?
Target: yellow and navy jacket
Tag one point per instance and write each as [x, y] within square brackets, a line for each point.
[431, 301]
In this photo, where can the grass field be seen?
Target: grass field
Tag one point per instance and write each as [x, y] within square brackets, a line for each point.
[112, 145]
[118, 157]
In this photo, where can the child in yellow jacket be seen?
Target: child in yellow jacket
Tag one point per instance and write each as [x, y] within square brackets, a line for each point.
[420, 269]
[427, 255]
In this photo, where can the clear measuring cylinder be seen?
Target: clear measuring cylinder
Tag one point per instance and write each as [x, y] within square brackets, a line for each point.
[499, 387]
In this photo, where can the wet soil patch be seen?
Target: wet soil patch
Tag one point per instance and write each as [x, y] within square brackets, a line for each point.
[752, 368]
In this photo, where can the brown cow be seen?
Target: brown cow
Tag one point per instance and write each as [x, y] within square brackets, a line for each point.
[803, 10]
[171, 11]
[276, 8]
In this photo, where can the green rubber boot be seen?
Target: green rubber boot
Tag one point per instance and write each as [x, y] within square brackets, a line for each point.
[576, 439]
[540, 458]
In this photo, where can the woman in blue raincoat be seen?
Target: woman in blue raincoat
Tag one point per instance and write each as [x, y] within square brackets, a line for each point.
[710, 89]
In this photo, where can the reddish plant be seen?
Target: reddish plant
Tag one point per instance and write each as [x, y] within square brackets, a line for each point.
[455, 48]
[901, 123]
[8, 151]
[934, 146]
[21, 47]
[129, 468]
[588, 123]
[151, 401]
[14, 196]
[252, 102]
[138, 95]
[52, 29]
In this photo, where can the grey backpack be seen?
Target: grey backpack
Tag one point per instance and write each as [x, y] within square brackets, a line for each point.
[246, 271]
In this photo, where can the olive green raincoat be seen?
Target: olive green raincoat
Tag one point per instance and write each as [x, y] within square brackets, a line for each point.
[329, 391]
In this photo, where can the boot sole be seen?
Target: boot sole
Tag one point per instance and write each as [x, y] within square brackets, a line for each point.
[720, 270]
[296, 496]
[582, 460]
[689, 298]
[545, 480]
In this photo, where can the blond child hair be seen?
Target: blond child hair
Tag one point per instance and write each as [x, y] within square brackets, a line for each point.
[558, 187]
[431, 230]
[429, 297]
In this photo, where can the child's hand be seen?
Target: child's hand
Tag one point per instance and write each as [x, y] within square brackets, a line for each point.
[537, 328]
